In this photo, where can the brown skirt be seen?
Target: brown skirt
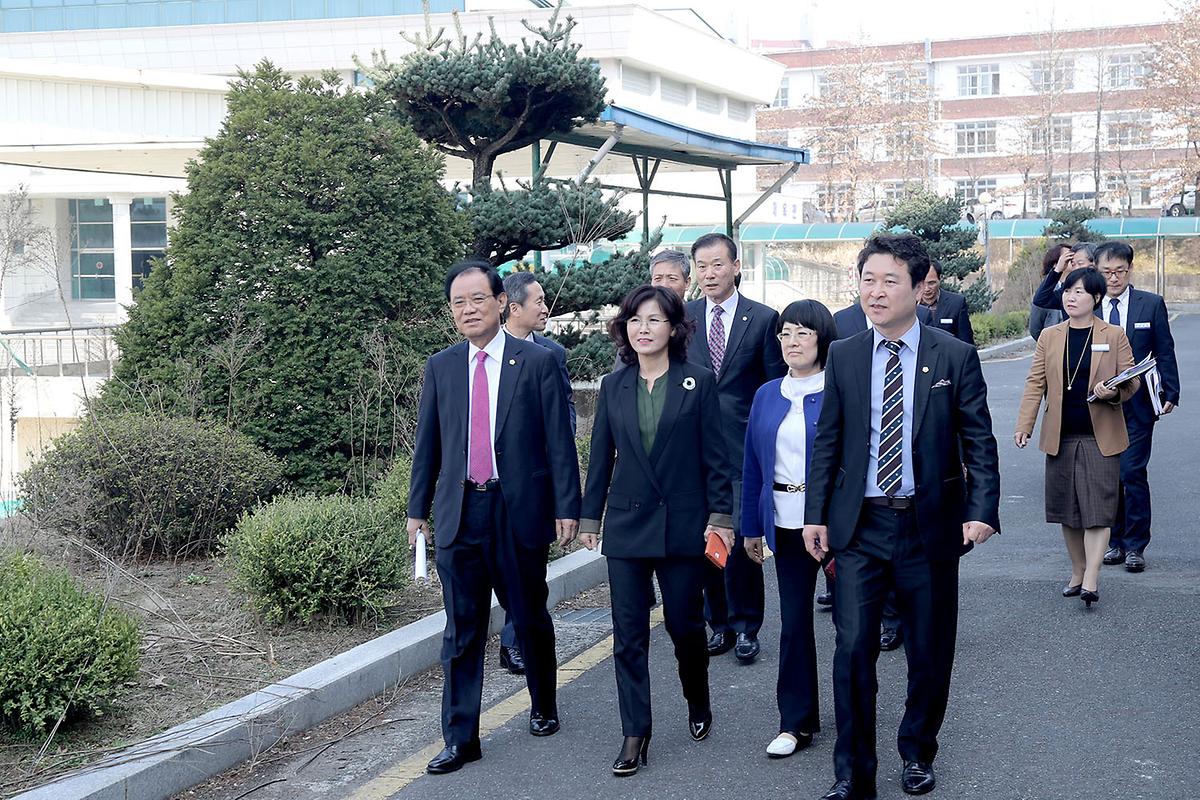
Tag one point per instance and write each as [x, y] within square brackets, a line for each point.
[1082, 486]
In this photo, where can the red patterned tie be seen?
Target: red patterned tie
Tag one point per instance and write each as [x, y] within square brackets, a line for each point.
[716, 339]
[479, 466]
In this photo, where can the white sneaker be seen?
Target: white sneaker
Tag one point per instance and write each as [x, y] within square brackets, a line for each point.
[782, 746]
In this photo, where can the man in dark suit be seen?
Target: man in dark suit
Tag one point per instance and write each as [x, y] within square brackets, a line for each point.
[947, 309]
[496, 461]
[735, 338]
[1144, 317]
[905, 410]
[525, 318]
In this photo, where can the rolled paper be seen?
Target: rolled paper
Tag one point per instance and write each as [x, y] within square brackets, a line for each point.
[420, 567]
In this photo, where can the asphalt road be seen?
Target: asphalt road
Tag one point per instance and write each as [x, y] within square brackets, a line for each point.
[1049, 700]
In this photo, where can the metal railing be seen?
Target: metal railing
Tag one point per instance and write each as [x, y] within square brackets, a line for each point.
[62, 352]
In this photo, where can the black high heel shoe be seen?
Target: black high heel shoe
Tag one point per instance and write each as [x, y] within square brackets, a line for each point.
[1072, 591]
[1089, 597]
[701, 728]
[632, 757]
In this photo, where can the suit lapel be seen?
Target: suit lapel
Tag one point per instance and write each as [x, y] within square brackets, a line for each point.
[629, 417]
[1131, 317]
[510, 371]
[460, 386]
[927, 364]
[698, 309]
[671, 405]
[863, 376]
[742, 315]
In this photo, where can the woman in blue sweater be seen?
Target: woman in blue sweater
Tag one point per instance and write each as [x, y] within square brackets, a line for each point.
[779, 439]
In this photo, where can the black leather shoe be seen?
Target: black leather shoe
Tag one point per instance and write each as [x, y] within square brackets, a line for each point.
[1114, 555]
[747, 649]
[890, 639]
[700, 728]
[720, 643]
[542, 725]
[825, 599]
[846, 790]
[512, 660]
[632, 756]
[1134, 561]
[917, 777]
[452, 758]
[1072, 591]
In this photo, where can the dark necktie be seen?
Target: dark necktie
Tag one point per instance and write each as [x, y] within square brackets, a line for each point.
[716, 339]
[1114, 313]
[479, 467]
[891, 423]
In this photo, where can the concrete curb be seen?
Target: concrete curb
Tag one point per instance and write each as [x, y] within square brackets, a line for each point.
[1006, 349]
[188, 754]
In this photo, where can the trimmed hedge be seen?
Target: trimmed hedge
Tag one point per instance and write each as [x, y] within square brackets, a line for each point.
[145, 485]
[992, 327]
[63, 653]
[304, 558]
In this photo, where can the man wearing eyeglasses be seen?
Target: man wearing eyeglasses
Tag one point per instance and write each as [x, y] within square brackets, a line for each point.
[1144, 316]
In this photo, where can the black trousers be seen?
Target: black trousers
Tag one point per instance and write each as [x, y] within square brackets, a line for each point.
[796, 688]
[886, 551]
[680, 580]
[1132, 531]
[483, 557]
[734, 597]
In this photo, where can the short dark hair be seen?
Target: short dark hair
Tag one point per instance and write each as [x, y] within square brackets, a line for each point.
[468, 264]
[904, 247]
[672, 306]
[1117, 251]
[709, 239]
[1093, 283]
[516, 286]
[1051, 258]
[937, 267]
[815, 316]
[1085, 247]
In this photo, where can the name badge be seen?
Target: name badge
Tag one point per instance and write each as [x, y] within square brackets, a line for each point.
[947, 320]
[1141, 326]
[1100, 348]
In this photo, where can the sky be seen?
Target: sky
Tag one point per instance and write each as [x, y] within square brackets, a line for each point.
[883, 21]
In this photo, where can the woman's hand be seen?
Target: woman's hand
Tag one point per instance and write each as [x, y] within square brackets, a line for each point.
[1102, 392]
[589, 540]
[726, 535]
[1021, 438]
[754, 549]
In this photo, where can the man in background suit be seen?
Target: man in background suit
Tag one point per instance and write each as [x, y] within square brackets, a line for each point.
[1144, 316]
[525, 318]
[495, 459]
[735, 338]
[672, 270]
[904, 411]
[947, 309]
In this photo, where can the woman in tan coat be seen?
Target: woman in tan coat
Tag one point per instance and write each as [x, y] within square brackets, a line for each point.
[1082, 441]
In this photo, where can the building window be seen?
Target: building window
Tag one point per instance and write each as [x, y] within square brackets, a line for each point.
[835, 148]
[636, 80]
[1132, 189]
[92, 258]
[974, 138]
[738, 110]
[967, 190]
[836, 199]
[895, 191]
[1060, 191]
[1129, 129]
[1060, 135]
[1047, 77]
[364, 80]
[902, 85]
[673, 91]
[781, 95]
[708, 102]
[148, 231]
[824, 85]
[1125, 70]
[903, 143]
[979, 80]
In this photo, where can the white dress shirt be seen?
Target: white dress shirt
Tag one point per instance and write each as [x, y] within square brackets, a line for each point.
[791, 444]
[1122, 303]
[730, 309]
[491, 366]
[528, 338]
[908, 364]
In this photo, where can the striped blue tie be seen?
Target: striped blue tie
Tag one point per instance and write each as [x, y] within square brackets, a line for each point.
[891, 423]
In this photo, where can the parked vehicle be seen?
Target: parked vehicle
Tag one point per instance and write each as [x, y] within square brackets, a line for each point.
[1183, 205]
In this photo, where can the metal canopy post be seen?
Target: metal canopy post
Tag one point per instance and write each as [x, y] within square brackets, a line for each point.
[645, 178]
[726, 176]
[608, 145]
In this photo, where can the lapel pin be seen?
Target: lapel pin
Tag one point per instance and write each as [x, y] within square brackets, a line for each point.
[513, 362]
[744, 319]
[689, 383]
[924, 369]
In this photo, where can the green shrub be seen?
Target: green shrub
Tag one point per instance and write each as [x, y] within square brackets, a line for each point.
[146, 485]
[391, 491]
[992, 327]
[300, 558]
[62, 652]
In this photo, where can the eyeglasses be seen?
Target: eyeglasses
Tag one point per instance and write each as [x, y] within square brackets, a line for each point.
[1114, 273]
[477, 300]
[649, 322]
[799, 336]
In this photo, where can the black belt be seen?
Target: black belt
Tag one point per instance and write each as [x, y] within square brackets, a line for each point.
[491, 486]
[898, 503]
[790, 488]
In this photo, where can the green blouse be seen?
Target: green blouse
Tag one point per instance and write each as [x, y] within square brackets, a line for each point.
[649, 408]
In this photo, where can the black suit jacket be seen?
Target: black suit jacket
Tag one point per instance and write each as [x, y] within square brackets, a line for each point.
[658, 503]
[852, 320]
[1149, 332]
[535, 449]
[949, 411]
[952, 316]
[560, 355]
[752, 358]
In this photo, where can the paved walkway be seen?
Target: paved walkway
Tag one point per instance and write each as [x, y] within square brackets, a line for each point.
[1049, 700]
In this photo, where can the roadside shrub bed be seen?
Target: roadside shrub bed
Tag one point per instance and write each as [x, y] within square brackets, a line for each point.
[62, 651]
[300, 559]
[145, 485]
[993, 327]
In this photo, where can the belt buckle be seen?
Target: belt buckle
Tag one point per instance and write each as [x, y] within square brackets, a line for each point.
[794, 488]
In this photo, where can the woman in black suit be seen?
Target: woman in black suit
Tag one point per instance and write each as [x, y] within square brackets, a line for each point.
[666, 492]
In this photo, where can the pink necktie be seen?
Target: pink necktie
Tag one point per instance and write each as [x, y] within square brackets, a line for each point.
[716, 339]
[479, 467]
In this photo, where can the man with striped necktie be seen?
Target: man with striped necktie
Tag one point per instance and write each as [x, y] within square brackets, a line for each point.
[905, 409]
